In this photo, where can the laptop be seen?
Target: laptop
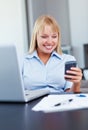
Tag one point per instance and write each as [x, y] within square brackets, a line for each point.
[11, 83]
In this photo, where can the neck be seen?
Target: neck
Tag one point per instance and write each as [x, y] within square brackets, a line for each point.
[44, 57]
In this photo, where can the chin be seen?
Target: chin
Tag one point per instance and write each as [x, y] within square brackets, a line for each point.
[48, 51]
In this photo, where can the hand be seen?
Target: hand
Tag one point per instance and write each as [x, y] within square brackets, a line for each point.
[75, 78]
[76, 75]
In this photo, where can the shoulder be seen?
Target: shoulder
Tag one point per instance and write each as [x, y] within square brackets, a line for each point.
[67, 57]
[29, 56]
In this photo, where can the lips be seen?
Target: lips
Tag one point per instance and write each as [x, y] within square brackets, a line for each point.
[48, 46]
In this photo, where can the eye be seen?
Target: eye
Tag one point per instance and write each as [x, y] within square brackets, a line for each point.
[54, 36]
[44, 36]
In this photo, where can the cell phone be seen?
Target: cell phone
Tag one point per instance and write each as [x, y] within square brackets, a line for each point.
[68, 66]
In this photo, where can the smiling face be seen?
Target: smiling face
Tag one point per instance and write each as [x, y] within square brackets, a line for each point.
[46, 36]
[47, 40]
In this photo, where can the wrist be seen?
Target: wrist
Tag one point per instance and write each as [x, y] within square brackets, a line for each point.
[76, 87]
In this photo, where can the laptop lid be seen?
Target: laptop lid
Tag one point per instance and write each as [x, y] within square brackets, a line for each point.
[11, 83]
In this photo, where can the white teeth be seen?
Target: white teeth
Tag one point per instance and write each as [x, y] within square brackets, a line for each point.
[49, 47]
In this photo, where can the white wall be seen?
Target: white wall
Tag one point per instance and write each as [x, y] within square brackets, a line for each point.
[78, 11]
[13, 23]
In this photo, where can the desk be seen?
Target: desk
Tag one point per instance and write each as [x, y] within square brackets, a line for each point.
[21, 117]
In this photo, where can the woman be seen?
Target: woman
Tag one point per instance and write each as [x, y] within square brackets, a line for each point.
[44, 65]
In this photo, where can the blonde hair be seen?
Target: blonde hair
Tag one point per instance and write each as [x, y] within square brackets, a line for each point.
[39, 25]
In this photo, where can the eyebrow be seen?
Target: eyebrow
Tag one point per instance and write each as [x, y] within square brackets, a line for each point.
[48, 34]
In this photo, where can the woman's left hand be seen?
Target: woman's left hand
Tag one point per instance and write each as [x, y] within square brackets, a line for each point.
[75, 75]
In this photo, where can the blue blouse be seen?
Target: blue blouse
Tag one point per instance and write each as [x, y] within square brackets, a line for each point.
[37, 75]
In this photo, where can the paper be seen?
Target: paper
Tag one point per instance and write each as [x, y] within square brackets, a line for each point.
[47, 104]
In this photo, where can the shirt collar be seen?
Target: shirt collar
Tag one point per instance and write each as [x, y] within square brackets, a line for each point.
[34, 54]
[54, 53]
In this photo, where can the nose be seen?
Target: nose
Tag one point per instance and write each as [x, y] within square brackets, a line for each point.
[49, 40]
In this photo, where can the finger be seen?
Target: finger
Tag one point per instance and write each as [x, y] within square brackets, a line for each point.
[73, 78]
[76, 69]
[76, 73]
